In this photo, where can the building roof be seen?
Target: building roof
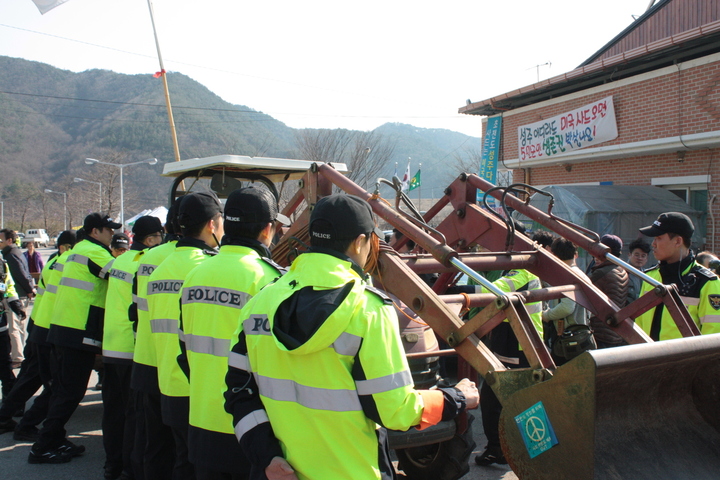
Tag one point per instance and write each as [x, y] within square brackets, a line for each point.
[599, 69]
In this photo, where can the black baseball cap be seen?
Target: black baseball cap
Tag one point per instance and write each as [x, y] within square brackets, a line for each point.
[670, 222]
[146, 225]
[342, 217]
[98, 220]
[120, 240]
[198, 207]
[67, 237]
[253, 205]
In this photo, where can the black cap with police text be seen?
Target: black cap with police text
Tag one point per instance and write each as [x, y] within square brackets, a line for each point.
[120, 240]
[146, 225]
[98, 220]
[342, 217]
[198, 207]
[670, 222]
[253, 205]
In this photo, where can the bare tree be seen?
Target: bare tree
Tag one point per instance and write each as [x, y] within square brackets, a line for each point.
[324, 145]
[369, 154]
[26, 196]
[364, 153]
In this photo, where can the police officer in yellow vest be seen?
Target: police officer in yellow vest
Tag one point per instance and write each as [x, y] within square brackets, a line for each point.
[76, 333]
[212, 296]
[36, 368]
[158, 451]
[699, 287]
[201, 221]
[118, 346]
[319, 363]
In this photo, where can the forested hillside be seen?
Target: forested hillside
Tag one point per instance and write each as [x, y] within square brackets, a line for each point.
[52, 119]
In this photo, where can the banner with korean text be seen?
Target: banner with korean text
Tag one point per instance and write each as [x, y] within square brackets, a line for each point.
[490, 150]
[586, 126]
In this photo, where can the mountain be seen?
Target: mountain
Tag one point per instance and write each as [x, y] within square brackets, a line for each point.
[51, 119]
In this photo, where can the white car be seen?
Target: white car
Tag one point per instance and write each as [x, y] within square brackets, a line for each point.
[37, 235]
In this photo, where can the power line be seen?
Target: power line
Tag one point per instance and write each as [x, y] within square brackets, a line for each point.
[228, 110]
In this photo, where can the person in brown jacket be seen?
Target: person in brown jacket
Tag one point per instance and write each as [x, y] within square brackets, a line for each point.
[614, 282]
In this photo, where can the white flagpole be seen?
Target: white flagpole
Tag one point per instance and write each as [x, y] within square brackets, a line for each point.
[165, 84]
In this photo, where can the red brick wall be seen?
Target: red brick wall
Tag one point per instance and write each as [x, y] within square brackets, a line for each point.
[680, 103]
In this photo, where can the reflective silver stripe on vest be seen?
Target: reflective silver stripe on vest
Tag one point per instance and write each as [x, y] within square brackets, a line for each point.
[347, 344]
[309, 397]
[77, 258]
[220, 347]
[164, 325]
[510, 360]
[40, 291]
[92, 341]
[510, 284]
[58, 266]
[122, 275]
[250, 421]
[256, 325]
[4, 329]
[710, 319]
[239, 361]
[112, 354]
[688, 301]
[214, 296]
[51, 288]
[79, 284]
[104, 271]
[534, 307]
[141, 302]
[384, 384]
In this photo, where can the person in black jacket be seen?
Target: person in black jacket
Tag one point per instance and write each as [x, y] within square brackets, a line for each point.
[24, 285]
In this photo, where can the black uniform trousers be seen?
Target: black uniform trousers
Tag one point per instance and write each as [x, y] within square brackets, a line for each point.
[491, 408]
[159, 453]
[118, 422]
[28, 382]
[73, 368]
[7, 376]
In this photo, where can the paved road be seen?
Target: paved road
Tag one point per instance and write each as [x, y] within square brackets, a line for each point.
[85, 429]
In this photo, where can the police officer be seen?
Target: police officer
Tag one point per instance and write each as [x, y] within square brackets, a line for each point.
[212, 296]
[120, 244]
[200, 218]
[118, 346]
[699, 287]
[154, 446]
[76, 334]
[504, 344]
[325, 349]
[35, 371]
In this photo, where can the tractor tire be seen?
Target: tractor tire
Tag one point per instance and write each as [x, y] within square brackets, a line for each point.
[447, 460]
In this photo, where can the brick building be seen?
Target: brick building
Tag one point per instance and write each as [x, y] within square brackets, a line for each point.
[661, 78]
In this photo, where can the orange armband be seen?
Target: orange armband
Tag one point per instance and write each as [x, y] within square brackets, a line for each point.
[434, 402]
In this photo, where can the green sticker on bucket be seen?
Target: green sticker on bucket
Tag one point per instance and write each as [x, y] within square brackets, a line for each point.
[536, 430]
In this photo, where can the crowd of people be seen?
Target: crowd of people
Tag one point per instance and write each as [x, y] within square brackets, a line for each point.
[218, 363]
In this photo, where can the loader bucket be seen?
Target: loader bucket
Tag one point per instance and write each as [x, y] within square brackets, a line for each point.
[647, 411]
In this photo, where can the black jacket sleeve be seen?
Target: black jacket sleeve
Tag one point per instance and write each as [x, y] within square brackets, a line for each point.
[19, 270]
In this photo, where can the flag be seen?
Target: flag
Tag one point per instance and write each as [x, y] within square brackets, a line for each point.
[415, 181]
[159, 74]
[406, 178]
[46, 5]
